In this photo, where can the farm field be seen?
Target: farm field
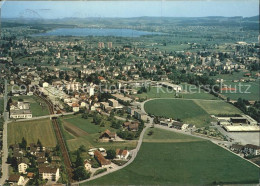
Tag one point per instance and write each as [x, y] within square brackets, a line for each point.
[37, 106]
[186, 110]
[193, 92]
[32, 131]
[249, 90]
[181, 163]
[189, 92]
[195, 112]
[155, 92]
[78, 131]
[217, 107]
[233, 76]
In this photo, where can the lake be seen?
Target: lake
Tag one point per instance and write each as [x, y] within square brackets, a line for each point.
[96, 32]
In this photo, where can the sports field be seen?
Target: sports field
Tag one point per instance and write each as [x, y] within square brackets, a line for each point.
[181, 163]
[32, 131]
[195, 112]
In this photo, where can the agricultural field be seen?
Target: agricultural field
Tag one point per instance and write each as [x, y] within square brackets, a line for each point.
[78, 131]
[183, 162]
[195, 112]
[155, 92]
[249, 90]
[37, 106]
[217, 107]
[189, 92]
[186, 110]
[32, 131]
[251, 93]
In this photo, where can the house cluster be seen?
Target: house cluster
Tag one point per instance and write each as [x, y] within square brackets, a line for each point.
[107, 135]
[100, 155]
[246, 150]
[20, 109]
[33, 160]
[175, 124]
[131, 125]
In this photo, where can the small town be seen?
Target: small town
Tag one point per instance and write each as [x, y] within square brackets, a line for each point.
[87, 102]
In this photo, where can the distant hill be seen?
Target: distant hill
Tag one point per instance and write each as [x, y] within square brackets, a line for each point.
[254, 18]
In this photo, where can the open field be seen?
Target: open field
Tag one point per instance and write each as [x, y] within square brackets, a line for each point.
[217, 107]
[78, 131]
[189, 92]
[186, 110]
[37, 106]
[249, 90]
[194, 92]
[164, 136]
[32, 131]
[253, 89]
[198, 162]
[195, 112]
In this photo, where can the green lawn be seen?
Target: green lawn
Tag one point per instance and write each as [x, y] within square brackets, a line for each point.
[32, 131]
[186, 110]
[181, 163]
[217, 107]
[37, 106]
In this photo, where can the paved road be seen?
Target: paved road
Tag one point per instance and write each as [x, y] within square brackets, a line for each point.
[132, 152]
[5, 146]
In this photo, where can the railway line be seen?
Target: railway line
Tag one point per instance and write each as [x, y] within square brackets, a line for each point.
[60, 139]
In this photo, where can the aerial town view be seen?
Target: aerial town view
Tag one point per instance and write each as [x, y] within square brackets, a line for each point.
[130, 93]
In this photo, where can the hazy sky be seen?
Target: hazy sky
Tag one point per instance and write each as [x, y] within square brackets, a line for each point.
[61, 9]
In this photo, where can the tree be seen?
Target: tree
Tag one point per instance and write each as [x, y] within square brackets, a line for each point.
[23, 145]
[82, 148]
[84, 116]
[39, 144]
[79, 161]
[111, 154]
[116, 124]
[80, 174]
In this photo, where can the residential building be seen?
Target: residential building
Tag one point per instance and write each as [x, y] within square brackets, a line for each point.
[87, 165]
[49, 173]
[22, 166]
[113, 102]
[122, 154]
[16, 179]
[107, 135]
[109, 45]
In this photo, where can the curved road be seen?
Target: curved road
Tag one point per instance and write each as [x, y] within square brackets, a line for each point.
[132, 152]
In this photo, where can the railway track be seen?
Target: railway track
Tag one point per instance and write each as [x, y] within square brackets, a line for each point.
[60, 139]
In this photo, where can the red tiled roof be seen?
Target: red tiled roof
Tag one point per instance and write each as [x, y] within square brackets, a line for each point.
[100, 158]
